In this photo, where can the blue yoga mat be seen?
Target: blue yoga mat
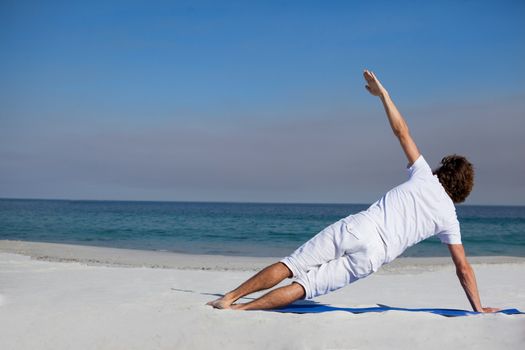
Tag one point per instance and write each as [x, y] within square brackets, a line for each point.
[318, 308]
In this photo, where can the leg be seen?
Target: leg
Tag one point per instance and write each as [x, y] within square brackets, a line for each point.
[325, 246]
[321, 280]
[274, 299]
[264, 279]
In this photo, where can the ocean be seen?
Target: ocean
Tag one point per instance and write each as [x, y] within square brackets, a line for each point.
[244, 229]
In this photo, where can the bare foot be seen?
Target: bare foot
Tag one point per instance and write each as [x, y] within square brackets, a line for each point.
[221, 303]
[238, 306]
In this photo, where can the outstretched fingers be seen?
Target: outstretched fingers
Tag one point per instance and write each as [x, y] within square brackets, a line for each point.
[373, 85]
[490, 309]
[369, 77]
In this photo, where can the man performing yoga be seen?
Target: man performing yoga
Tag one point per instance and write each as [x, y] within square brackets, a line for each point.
[356, 246]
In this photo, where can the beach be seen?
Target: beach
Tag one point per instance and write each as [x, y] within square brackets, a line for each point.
[154, 156]
[59, 296]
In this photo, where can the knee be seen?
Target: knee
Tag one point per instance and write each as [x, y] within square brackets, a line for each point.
[298, 290]
[285, 270]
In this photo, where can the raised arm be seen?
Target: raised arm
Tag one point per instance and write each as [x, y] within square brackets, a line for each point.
[467, 278]
[397, 122]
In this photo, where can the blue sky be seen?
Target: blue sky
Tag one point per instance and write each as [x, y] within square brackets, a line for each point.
[255, 101]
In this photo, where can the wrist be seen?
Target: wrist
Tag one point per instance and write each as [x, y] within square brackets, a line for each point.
[478, 309]
[383, 95]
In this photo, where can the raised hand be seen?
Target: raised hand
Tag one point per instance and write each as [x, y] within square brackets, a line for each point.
[373, 84]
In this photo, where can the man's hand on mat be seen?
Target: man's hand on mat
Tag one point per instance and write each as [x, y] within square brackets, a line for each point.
[490, 309]
[373, 84]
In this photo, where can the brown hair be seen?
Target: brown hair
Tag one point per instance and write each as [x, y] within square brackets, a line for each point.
[456, 175]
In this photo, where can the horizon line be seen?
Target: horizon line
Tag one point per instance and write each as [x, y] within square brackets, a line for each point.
[229, 202]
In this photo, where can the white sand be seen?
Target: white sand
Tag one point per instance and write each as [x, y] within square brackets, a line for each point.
[63, 304]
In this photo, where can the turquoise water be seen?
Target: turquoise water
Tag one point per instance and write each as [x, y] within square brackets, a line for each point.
[230, 228]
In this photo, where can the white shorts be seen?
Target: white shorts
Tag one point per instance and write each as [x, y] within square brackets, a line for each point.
[336, 256]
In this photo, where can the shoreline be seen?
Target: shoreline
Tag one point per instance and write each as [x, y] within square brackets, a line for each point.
[121, 257]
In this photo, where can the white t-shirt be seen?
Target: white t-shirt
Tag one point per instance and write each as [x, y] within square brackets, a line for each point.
[411, 212]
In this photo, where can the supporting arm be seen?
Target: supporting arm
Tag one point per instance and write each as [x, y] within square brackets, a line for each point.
[467, 278]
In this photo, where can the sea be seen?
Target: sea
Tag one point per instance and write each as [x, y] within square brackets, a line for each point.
[236, 229]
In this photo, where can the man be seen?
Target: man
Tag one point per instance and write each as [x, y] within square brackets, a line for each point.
[356, 246]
